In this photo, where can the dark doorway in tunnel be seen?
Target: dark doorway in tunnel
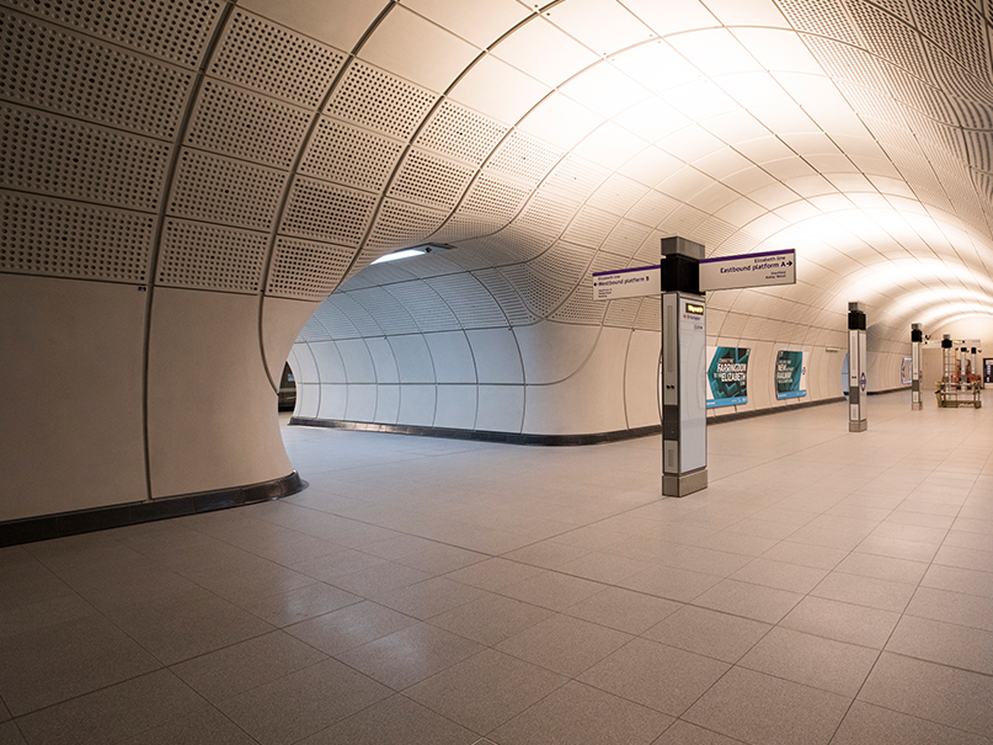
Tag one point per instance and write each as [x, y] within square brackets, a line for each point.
[287, 393]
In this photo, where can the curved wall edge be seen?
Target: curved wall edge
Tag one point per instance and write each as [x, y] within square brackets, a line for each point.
[45, 527]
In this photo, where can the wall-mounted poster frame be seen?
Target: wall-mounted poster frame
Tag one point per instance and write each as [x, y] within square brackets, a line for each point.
[791, 374]
[727, 376]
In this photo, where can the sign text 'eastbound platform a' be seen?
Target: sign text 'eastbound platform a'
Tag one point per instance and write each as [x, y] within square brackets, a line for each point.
[748, 270]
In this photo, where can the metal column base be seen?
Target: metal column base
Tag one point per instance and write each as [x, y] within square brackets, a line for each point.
[679, 485]
[861, 426]
[916, 406]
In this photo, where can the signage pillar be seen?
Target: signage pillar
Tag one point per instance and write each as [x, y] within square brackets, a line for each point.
[948, 360]
[858, 359]
[682, 370]
[964, 367]
[916, 337]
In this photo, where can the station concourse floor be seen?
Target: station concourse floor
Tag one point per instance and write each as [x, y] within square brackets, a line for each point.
[827, 587]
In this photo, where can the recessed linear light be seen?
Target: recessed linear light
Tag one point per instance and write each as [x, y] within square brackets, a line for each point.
[408, 253]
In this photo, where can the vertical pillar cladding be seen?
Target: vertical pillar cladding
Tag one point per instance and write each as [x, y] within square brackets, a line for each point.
[948, 360]
[682, 380]
[857, 364]
[916, 338]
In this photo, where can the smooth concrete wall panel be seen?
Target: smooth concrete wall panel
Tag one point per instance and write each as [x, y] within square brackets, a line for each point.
[334, 400]
[553, 352]
[359, 367]
[501, 408]
[330, 368]
[456, 406]
[361, 406]
[598, 384]
[70, 395]
[452, 357]
[383, 359]
[308, 400]
[417, 405]
[281, 322]
[387, 404]
[413, 358]
[496, 355]
[212, 418]
[641, 379]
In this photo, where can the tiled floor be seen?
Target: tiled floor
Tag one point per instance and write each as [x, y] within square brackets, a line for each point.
[827, 588]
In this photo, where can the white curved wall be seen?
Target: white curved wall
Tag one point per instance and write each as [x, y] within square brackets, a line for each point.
[196, 176]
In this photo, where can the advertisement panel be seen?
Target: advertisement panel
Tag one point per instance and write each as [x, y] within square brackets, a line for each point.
[791, 375]
[727, 375]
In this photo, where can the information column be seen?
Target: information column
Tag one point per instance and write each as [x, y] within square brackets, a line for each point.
[916, 337]
[857, 363]
[682, 374]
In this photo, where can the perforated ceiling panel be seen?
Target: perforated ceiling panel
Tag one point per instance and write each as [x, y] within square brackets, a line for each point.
[623, 312]
[350, 156]
[461, 134]
[175, 30]
[40, 235]
[211, 257]
[390, 315]
[335, 322]
[539, 294]
[49, 154]
[575, 177]
[821, 17]
[424, 304]
[845, 61]
[380, 101]
[251, 48]
[306, 270]
[223, 190]
[511, 303]
[523, 158]
[50, 68]
[430, 180]
[400, 225]
[889, 38]
[649, 315]
[958, 28]
[470, 301]
[653, 208]
[590, 227]
[972, 86]
[358, 316]
[236, 122]
[327, 212]
[562, 263]
[497, 199]
[313, 331]
[617, 194]
[581, 308]
[546, 214]
[626, 238]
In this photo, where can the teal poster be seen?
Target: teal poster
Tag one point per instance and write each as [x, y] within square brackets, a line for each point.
[727, 375]
[791, 375]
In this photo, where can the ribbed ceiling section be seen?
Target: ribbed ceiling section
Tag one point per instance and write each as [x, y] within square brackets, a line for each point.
[279, 148]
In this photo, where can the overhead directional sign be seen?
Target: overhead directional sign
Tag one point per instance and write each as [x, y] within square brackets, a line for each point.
[634, 282]
[748, 270]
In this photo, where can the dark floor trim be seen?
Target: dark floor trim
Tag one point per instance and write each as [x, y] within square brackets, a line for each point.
[719, 418]
[42, 528]
[510, 438]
